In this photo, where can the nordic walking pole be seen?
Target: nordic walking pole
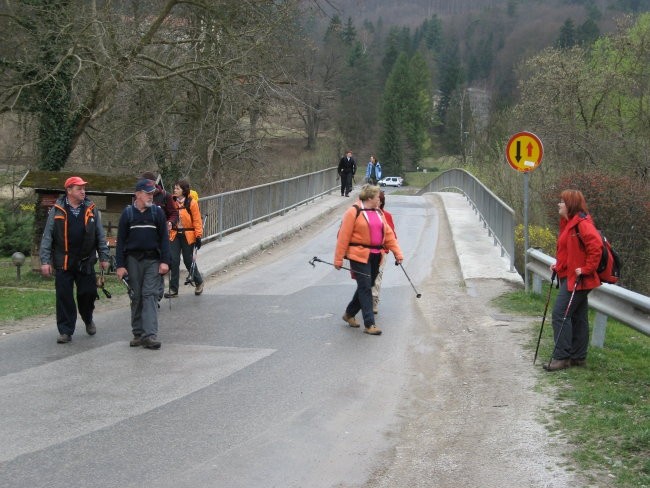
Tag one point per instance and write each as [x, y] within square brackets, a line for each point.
[566, 314]
[548, 299]
[315, 259]
[418, 295]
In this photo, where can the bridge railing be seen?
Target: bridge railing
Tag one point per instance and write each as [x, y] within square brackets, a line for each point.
[496, 215]
[626, 306]
[234, 210]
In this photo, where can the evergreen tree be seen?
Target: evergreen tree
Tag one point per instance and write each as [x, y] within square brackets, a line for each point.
[450, 76]
[349, 34]
[567, 37]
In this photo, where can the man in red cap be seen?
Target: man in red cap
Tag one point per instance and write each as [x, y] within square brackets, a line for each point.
[72, 240]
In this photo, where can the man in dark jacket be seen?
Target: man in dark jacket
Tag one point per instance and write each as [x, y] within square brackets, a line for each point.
[347, 168]
[142, 254]
[164, 200]
[72, 239]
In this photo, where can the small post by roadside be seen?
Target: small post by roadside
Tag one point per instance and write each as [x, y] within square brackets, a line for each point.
[18, 258]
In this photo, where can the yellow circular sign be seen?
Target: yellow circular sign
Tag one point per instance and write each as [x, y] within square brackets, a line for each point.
[524, 151]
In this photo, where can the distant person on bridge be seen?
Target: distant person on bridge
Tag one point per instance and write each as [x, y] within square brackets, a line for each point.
[346, 169]
[373, 171]
[362, 238]
[579, 248]
[72, 239]
[142, 256]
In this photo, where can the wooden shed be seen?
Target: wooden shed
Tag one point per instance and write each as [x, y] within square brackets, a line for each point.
[111, 194]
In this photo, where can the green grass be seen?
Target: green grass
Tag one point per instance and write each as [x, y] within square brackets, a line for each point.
[33, 294]
[18, 303]
[419, 179]
[604, 408]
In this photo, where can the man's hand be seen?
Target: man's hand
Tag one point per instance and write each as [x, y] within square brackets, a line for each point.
[46, 269]
[163, 268]
[121, 272]
[104, 265]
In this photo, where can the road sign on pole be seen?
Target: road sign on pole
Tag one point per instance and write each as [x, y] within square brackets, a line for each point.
[524, 152]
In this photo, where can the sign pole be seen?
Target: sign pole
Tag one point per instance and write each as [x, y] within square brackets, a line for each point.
[526, 236]
[524, 153]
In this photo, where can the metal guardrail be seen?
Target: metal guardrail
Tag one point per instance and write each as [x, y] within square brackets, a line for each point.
[626, 306]
[496, 215]
[234, 210]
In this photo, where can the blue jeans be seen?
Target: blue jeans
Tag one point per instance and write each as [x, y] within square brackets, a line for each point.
[362, 298]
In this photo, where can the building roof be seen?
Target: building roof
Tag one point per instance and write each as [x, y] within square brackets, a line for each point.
[98, 184]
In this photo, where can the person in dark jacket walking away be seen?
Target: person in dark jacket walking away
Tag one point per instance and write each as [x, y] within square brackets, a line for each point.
[142, 255]
[163, 199]
[579, 248]
[347, 168]
[72, 240]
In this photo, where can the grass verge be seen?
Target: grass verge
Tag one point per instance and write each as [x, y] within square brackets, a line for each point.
[34, 295]
[604, 408]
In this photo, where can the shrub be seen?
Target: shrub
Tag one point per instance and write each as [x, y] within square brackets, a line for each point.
[542, 238]
[620, 207]
[16, 231]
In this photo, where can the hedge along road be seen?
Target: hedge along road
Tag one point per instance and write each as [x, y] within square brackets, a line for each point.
[260, 383]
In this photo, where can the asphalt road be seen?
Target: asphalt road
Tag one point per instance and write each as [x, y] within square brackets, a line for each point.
[259, 383]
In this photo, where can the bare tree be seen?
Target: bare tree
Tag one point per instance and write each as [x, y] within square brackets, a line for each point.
[166, 84]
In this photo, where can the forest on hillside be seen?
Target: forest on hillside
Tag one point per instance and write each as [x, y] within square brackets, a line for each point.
[233, 93]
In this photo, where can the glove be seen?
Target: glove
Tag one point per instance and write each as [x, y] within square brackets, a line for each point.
[197, 243]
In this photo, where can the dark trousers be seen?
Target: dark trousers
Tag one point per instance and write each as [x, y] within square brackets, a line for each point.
[66, 308]
[179, 246]
[573, 342]
[362, 298]
[346, 183]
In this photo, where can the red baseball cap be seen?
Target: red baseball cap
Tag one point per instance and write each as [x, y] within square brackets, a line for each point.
[74, 180]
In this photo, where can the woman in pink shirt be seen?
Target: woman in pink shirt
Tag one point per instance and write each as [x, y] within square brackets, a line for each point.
[362, 238]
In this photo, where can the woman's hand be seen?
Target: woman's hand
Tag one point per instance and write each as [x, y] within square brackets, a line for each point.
[578, 271]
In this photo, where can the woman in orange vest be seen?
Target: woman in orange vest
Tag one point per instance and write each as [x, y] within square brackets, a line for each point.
[185, 236]
[362, 238]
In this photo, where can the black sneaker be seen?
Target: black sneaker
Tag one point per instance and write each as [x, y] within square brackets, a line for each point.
[150, 342]
[171, 294]
[136, 341]
[63, 339]
[91, 329]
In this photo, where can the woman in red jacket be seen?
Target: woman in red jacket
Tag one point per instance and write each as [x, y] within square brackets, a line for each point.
[363, 235]
[579, 248]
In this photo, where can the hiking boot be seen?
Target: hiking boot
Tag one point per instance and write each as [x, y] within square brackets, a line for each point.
[150, 342]
[372, 330]
[63, 339]
[90, 328]
[136, 341]
[557, 364]
[199, 289]
[352, 322]
[578, 362]
[171, 294]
